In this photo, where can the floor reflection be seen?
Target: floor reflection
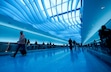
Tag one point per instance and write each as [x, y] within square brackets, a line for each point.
[53, 60]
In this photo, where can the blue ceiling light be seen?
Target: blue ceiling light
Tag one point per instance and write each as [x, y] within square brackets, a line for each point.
[57, 17]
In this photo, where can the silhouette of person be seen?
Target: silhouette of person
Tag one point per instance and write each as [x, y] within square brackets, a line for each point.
[105, 37]
[104, 34]
[28, 44]
[21, 44]
[70, 43]
[74, 43]
[36, 44]
[95, 44]
[43, 45]
[50, 45]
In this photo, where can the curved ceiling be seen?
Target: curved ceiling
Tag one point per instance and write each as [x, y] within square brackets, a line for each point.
[60, 19]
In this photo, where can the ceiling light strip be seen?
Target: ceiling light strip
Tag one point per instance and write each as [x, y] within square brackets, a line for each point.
[35, 12]
[68, 14]
[31, 12]
[76, 10]
[58, 16]
[72, 1]
[10, 13]
[23, 9]
[65, 23]
[14, 11]
[18, 28]
[37, 3]
[44, 7]
[51, 9]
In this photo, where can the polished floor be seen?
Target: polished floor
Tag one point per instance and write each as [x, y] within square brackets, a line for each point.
[54, 60]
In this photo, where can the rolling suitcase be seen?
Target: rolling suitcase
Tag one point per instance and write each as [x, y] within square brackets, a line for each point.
[23, 52]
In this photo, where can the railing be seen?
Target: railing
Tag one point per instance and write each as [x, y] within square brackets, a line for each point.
[99, 46]
[9, 47]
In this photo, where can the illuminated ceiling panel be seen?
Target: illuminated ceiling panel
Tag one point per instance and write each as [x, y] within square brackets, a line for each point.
[57, 17]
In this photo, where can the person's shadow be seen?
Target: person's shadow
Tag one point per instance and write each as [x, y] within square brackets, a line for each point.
[73, 55]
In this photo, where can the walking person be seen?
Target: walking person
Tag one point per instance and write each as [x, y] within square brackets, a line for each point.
[21, 44]
[105, 37]
[70, 44]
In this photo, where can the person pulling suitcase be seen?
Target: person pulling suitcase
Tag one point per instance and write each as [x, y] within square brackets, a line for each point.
[21, 44]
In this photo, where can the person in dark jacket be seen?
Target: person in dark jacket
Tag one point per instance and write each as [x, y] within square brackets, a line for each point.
[21, 44]
[105, 37]
[70, 43]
